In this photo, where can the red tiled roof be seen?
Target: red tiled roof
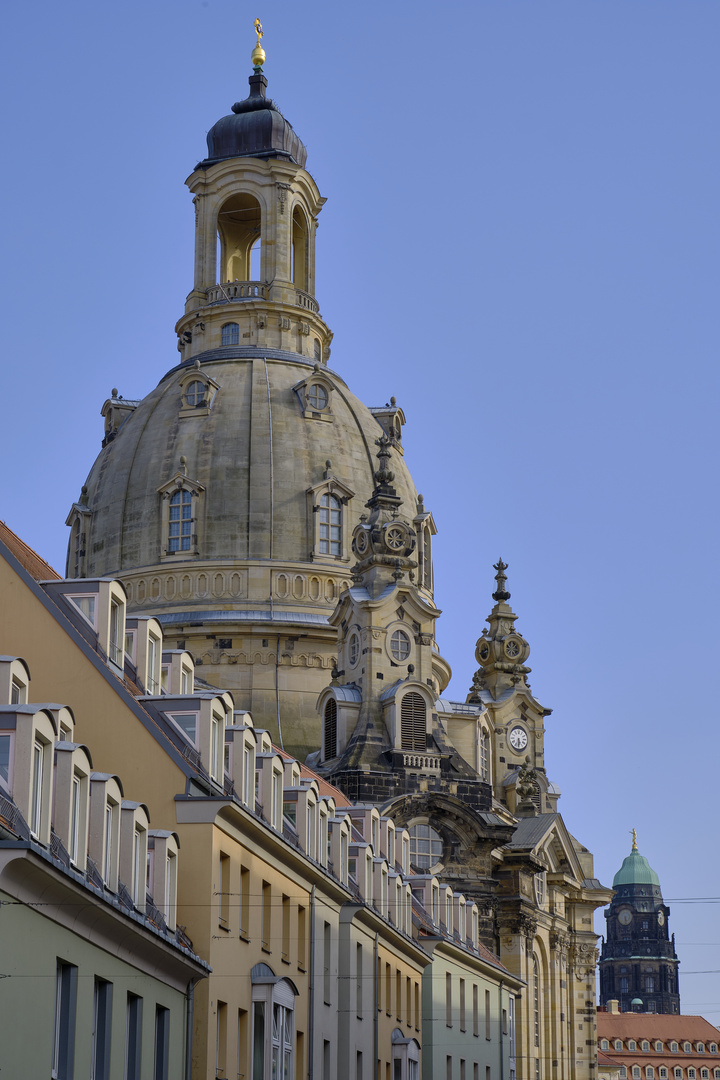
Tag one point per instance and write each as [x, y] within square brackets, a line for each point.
[651, 1026]
[29, 559]
[325, 788]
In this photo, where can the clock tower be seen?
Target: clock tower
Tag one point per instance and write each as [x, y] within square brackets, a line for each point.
[638, 963]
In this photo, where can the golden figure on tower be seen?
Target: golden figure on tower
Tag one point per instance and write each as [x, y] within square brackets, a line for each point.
[634, 836]
[258, 54]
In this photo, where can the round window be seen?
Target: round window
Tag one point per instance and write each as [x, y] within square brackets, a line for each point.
[353, 649]
[195, 393]
[426, 846]
[400, 645]
[317, 396]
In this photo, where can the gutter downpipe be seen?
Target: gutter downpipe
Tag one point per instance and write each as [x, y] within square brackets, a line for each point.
[189, 1029]
[502, 1044]
[376, 1018]
[311, 989]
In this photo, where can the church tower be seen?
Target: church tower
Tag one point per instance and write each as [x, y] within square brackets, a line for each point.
[638, 962]
[226, 499]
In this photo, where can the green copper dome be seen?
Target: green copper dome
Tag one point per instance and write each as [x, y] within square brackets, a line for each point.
[635, 870]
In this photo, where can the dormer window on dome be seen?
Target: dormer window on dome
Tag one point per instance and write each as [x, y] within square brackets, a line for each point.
[315, 396]
[179, 517]
[197, 392]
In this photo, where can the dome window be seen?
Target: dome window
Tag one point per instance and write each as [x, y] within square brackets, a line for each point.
[180, 522]
[328, 502]
[331, 514]
[197, 391]
[317, 396]
[230, 334]
[179, 516]
[400, 645]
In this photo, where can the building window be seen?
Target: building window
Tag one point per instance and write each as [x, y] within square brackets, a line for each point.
[645, 1046]
[632, 1045]
[687, 1047]
[673, 1048]
[330, 525]
[701, 1048]
[649, 984]
[230, 334]
[133, 1037]
[623, 985]
[317, 396]
[74, 819]
[36, 806]
[353, 649]
[196, 392]
[484, 756]
[117, 633]
[618, 1044]
[658, 1047]
[187, 722]
[18, 692]
[64, 1034]
[413, 722]
[649, 1072]
[662, 1072]
[425, 850]
[400, 645]
[180, 521]
[5, 757]
[604, 1044]
[86, 606]
[636, 1072]
[691, 1073]
[102, 1017]
[331, 729]
[448, 1000]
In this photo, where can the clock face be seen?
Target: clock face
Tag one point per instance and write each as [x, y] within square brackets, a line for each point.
[661, 918]
[625, 917]
[518, 738]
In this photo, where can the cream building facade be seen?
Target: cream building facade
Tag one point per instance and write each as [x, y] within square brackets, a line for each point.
[268, 521]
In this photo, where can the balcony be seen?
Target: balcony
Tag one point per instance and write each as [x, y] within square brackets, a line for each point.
[231, 291]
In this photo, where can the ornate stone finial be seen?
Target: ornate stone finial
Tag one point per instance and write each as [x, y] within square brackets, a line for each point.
[258, 54]
[328, 469]
[393, 401]
[421, 504]
[84, 494]
[383, 475]
[113, 392]
[183, 464]
[501, 595]
[634, 836]
[198, 365]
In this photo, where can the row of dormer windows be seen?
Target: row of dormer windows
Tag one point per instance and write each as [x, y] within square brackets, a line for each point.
[673, 1047]
[667, 1072]
[70, 808]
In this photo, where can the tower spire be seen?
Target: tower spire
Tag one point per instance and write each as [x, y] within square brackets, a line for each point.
[501, 651]
[258, 54]
[500, 595]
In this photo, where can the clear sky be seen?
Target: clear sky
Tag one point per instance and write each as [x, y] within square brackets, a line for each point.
[520, 243]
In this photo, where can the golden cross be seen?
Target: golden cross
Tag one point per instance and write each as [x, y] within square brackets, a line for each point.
[258, 30]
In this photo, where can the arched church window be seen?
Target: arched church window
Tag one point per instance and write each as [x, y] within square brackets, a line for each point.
[317, 350]
[413, 714]
[195, 393]
[427, 558]
[239, 230]
[317, 396]
[330, 733]
[330, 525]
[299, 270]
[255, 261]
[230, 334]
[180, 521]
[400, 647]
[354, 649]
[426, 848]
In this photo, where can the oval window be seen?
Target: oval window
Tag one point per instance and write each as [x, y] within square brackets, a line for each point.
[400, 645]
[354, 649]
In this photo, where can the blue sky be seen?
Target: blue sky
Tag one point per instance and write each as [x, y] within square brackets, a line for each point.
[520, 243]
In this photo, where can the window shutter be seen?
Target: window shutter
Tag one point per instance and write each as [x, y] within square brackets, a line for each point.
[412, 722]
[331, 729]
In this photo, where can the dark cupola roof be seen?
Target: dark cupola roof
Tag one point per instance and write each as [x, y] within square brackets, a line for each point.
[255, 128]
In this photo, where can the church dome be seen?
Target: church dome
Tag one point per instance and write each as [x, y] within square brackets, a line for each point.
[635, 870]
[252, 457]
[254, 128]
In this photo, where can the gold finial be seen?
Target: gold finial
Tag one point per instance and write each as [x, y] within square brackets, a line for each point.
[258, 54]
[634, 836]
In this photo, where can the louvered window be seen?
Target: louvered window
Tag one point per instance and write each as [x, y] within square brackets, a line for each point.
[412, 722]
[331, 729]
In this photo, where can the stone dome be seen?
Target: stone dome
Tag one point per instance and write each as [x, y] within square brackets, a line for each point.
[255, 454]
[635, 870]
[255, 128]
